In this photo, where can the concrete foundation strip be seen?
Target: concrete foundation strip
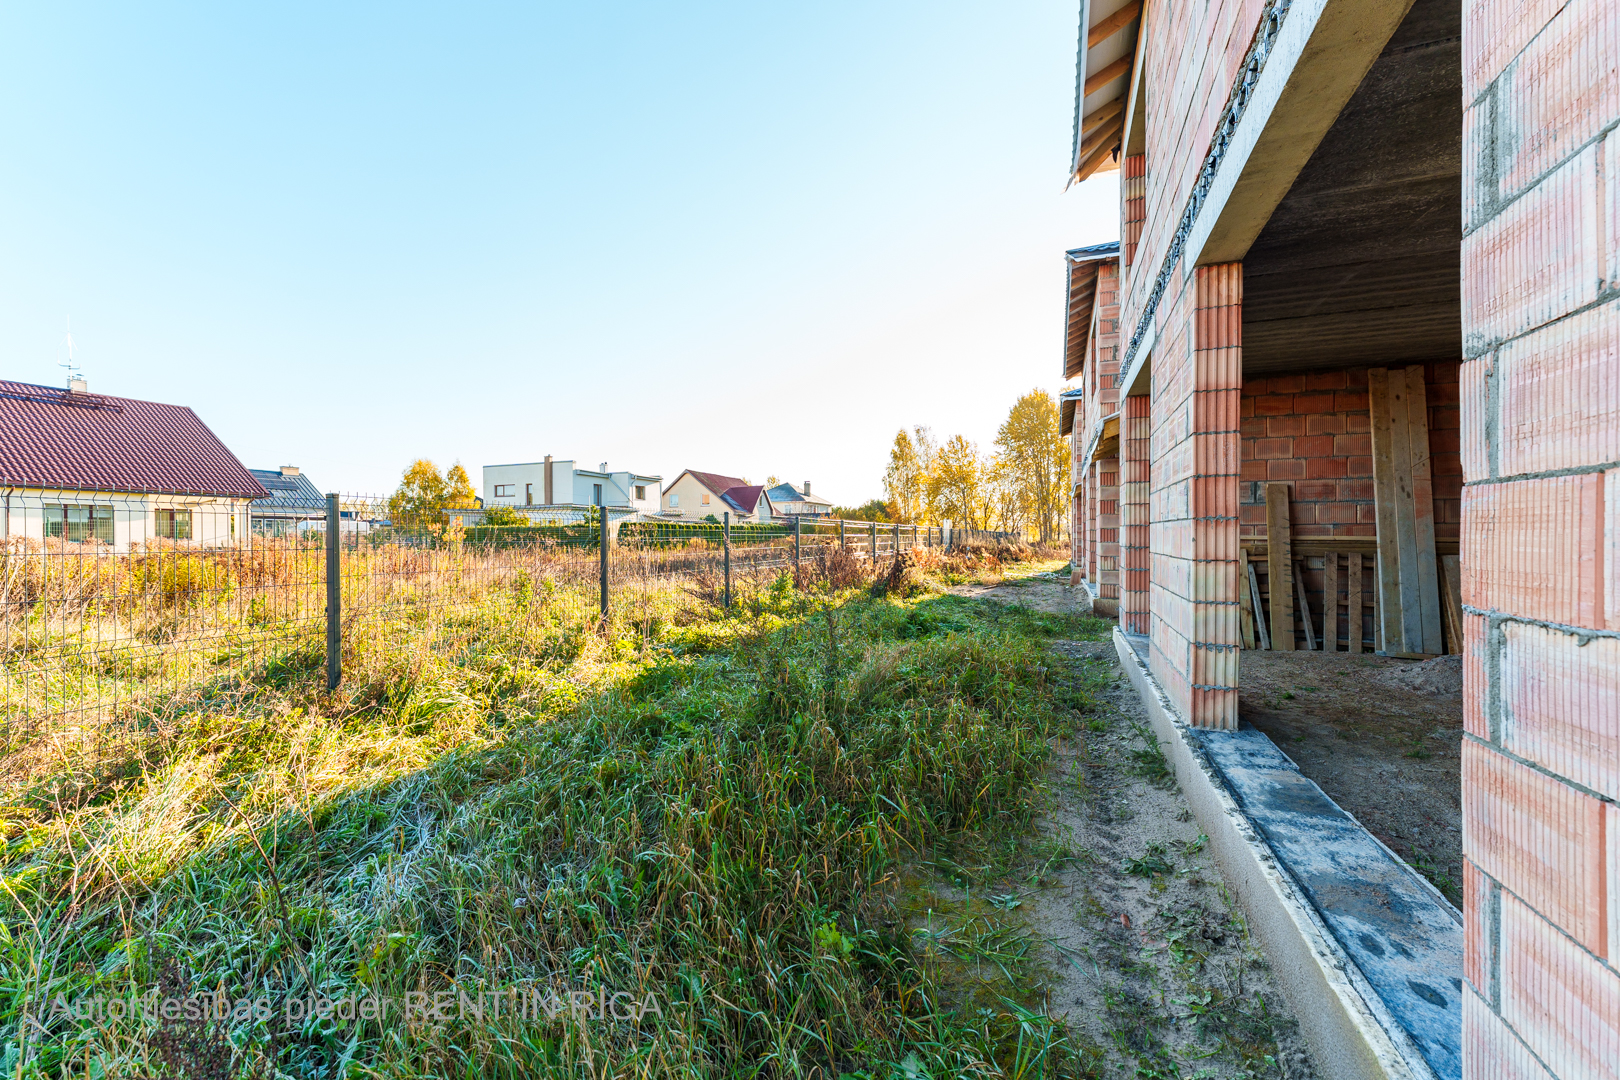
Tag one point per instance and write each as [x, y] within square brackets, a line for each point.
[1351, 1032]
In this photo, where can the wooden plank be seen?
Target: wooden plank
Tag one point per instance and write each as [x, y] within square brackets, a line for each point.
[1428, 575]
[1353, 605]
[1259, 609]
[1451, 577]
[1387, 587]
[1304, 605]
[1279, 566]
[1245, 608]
[1410, 638]
[1330, 602]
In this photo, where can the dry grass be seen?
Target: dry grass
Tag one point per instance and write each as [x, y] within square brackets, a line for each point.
[711, 807]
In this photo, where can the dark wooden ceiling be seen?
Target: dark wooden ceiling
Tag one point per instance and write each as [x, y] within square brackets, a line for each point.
[1359, 264]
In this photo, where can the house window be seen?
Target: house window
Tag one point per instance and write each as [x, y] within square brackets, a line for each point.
[79, 523]
[674, 501]
[528, 494]
[596, 494]
[174, 524]
[705, 499]
[641, 492]
[504, 491]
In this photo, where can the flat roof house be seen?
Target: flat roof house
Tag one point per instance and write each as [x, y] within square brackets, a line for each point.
[564, 484]
[83, 468]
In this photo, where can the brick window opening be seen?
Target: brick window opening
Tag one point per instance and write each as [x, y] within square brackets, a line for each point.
[173, 524]
[79, 523]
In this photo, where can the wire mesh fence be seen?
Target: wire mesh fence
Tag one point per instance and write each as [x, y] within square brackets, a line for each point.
[121, 609]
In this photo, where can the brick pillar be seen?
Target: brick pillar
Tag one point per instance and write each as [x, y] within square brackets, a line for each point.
[1134, 478]
[1079, 547]
[1541, 536]
[1197, 385]
[1133, 194]
[1107, 557]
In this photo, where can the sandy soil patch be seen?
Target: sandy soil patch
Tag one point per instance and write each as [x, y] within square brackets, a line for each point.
[1381, 736]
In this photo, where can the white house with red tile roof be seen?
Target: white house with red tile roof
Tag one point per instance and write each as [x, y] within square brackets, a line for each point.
[77, 467]
[695, 495]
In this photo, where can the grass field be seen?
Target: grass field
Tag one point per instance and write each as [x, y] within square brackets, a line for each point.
[712, 815]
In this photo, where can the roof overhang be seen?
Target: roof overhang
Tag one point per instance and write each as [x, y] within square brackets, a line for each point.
[1068, 401]
[1102, 84]
[1084, 266]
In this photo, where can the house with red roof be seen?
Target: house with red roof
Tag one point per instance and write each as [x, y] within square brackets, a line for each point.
[83, 468]
[694, 496]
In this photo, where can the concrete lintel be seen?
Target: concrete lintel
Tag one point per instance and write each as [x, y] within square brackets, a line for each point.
[1343, 1019]
[1139, 379]
[1322, 53]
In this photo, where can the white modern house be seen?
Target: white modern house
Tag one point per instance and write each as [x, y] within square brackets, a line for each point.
[87, 470]
[564, 484]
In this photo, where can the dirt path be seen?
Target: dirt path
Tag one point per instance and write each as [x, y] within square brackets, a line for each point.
[1148, 961]
[1041, 591]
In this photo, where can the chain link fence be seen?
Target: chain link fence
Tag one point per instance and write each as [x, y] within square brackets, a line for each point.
[121, 609]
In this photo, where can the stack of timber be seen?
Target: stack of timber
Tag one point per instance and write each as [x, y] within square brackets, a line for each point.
[1403, 496]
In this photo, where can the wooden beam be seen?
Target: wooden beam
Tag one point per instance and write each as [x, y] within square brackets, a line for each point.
[1119, 67]
[1330, 602]
[1099, 154]
[1259, 608]
[1245, 604]
[1113, 24]
[1304, 605]
[1353, 603]
[1406, 570]
[1451, 586]
[1100, 117]
[1279, 566]
[1428, 575]
[1384, 498]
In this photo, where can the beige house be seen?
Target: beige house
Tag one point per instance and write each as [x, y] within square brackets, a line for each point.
[694, 496]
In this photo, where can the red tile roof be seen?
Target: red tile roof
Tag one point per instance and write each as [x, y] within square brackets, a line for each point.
[714, 481]
[745, 497]
[54, 438]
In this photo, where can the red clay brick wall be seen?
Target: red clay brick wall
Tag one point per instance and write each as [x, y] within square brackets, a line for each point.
[1133, 194]
[1314, 431]
[1540, 390]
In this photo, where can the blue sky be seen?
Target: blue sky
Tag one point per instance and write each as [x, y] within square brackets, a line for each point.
[741, 237]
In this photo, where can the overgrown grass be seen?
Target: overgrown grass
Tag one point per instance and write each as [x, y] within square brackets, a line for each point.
[708, 812]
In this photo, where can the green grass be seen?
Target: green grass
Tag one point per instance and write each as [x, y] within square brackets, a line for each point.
[717, 811]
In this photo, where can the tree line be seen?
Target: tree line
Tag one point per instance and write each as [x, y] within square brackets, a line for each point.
[1021, 486]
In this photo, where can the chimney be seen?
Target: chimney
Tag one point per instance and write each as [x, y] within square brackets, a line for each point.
[77, 385]
[807, 489]
[289, 470]
[603, 468]
[548, 481]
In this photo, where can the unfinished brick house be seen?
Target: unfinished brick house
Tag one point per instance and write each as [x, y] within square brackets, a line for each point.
[1350, 381]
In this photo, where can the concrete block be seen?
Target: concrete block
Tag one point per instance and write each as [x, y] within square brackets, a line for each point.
[1475, 719]
[1535, 548]
[1491, 1051]
[1558, 391]
[1539, 837]
[1561, 704]
[1479, 931]
[1536, 260]
[1560, 1000]
[1560, 91]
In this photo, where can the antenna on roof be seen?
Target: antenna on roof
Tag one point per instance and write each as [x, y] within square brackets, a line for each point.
[73, 375]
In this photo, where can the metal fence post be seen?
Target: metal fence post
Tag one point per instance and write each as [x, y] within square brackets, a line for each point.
[602, 513]
[725, 528]
[842, 545]
[798, 532]
[872, 528]
[897, 539]
[334, 592]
